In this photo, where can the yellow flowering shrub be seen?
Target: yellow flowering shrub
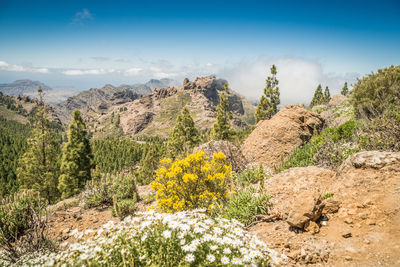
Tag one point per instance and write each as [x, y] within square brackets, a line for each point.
[193, 182]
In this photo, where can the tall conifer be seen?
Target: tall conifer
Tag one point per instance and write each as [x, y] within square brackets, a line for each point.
[39, 165]
[222, 130]
[269, 101]
[184, 136]
[318, 98]
[345, 89]
[77, 158]
[327, 95]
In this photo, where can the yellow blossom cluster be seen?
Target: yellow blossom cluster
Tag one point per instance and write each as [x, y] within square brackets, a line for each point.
[193, 182]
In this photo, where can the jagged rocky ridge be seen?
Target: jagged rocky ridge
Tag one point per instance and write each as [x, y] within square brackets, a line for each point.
[155, 113]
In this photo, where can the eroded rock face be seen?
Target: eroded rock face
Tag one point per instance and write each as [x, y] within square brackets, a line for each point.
[273, 140]
[200, 96]
[233, 154]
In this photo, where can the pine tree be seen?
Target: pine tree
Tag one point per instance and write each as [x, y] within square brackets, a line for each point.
[327, 95]
[184, 136]
[118, 121]
[39, 166]
[148, 165]
[77, 158]
[345, 89]
[318, 98]
[222, 130]
[269, 102]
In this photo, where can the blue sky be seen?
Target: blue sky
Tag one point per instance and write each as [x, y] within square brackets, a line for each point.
[85, 44]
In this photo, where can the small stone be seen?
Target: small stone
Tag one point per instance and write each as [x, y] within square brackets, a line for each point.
[363, 215]
[348, 220]
[324, 223]
[366, 241]
[370, 222]
[348, 258]
[347, 235]
[312, 227]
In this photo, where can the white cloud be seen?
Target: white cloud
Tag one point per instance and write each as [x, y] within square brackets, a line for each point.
[161, 75]
[298, 78]
[89, 72]
[132, 71]
[82, 16]
[8, 67]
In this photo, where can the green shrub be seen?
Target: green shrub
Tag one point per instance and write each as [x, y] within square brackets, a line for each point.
[245, 205]
[123, 207]
[251, 175]
[319, 109]
[327, 195]
[103, 191]
[22, 225]
[328, 149]
[372, 94]
[383, 132]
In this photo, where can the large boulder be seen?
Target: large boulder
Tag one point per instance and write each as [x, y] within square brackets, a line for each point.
[273, 140]
[233, 154]
[296, 194]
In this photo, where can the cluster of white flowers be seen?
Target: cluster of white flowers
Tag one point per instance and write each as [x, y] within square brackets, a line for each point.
[189, 237]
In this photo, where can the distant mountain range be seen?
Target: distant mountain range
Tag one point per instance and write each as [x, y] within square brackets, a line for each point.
[99, 100]
[23, 87]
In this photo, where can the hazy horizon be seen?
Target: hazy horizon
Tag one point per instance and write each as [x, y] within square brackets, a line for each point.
[88, 44]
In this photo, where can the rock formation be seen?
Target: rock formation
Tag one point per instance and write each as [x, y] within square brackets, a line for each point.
[273, 140]
[201, 97]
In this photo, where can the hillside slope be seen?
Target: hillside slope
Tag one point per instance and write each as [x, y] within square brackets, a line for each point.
[22, 87]
[98, 100]
[155, 114]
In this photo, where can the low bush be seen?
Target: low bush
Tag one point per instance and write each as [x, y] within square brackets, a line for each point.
[328, 149]
[153, 239]
[193, 182]
[383, 132]
[372, 94]
[22, 225]
[123, 207]
[246, 204]
[252, 174]
[111, 190]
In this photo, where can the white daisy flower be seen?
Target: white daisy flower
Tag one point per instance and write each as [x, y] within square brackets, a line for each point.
[210, 257]
[225, 260]
[189, 258]
[236, 261]
[227, 251]
[214, 247]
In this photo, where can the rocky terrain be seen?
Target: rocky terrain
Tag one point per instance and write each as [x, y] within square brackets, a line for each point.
[99, 100]
[273, 140]
[155, 113]
[358, 225]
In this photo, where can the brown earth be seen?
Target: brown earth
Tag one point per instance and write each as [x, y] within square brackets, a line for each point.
[358, 226]
[67, 215]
